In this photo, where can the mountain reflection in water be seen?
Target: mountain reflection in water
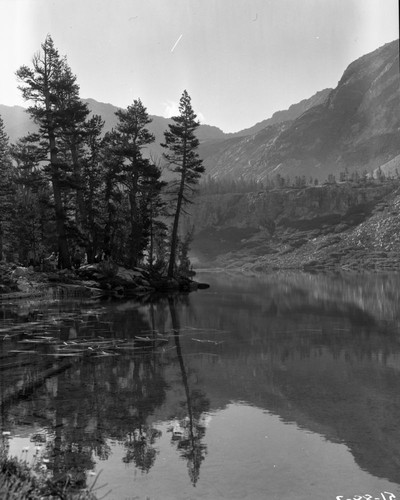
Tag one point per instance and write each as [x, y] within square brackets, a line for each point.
[265, 388]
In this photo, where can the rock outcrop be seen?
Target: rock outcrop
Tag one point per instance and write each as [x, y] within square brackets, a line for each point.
[103, 279]
[342, 225]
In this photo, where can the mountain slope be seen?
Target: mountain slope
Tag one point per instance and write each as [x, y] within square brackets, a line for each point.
[356, 128]
[353, 127]
[345, 225]
[293, 112]
[16, 122]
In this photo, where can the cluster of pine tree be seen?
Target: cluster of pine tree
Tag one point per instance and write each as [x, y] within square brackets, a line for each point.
[70, 189]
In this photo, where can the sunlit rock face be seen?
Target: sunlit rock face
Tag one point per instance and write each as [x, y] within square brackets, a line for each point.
[356, 128]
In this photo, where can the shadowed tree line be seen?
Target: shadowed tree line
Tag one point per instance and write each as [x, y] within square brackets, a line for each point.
[227, 184]
[75, 191]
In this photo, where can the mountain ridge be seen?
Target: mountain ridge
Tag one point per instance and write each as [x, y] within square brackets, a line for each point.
[17, 122]
[292, 112]
[108, 109]
[356, 128]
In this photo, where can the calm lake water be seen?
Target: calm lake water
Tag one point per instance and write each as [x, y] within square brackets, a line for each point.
[283, 386]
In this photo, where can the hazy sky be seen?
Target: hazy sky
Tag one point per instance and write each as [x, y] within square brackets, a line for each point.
[240, 60]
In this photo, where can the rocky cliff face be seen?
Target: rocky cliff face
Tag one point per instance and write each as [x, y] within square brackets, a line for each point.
[356, 128]
[340, 225]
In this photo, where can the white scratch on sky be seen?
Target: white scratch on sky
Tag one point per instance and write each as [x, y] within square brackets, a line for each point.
[176, 43]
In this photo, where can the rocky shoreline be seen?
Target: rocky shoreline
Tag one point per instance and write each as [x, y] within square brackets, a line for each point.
[99, 280]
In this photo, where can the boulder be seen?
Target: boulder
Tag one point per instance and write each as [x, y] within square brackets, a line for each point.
[128, 275]
[20, 272]
[24, 285]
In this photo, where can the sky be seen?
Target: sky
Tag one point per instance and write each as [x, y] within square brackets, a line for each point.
[239, 60]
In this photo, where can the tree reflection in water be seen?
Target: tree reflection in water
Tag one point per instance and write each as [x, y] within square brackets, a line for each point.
[321, 352]
[140, 449]
[95, 401]
[189, 441]
[111, 402]
[98, 401]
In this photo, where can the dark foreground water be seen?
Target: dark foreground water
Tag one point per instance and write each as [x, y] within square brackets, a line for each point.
[280, 387]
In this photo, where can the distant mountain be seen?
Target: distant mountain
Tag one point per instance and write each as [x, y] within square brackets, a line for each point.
[355, 128]
[233, 151]
[17, 123]
[212, 139]
[293, 112]
[352, 127]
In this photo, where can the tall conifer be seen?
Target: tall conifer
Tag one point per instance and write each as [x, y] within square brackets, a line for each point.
[52, 88]
[181, 144]
[140, 175]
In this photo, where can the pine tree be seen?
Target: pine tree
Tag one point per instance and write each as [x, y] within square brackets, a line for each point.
[33, 227]
[181, 144]
[92, 184]
[139, 175]
[112, 166]
[72, 121]
[52, 88]
[6, 187]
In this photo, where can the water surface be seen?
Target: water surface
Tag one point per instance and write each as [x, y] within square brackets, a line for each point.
[277, 387]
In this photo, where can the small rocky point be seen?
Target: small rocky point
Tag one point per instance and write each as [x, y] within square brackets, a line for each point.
[104, 279]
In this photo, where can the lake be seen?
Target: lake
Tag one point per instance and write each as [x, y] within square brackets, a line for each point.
[282, 386]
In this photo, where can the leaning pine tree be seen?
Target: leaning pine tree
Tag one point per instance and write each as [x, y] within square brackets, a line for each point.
[181, 144]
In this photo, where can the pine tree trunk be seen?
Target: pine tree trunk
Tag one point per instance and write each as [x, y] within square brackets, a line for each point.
[135, 225]
[108, 244]
[64, 257]
[1, 240]
[134, 230]
[151, 246]
[174, 237]
[81, 216]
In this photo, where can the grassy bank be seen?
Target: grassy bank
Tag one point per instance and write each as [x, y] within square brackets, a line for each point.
[20, 481]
